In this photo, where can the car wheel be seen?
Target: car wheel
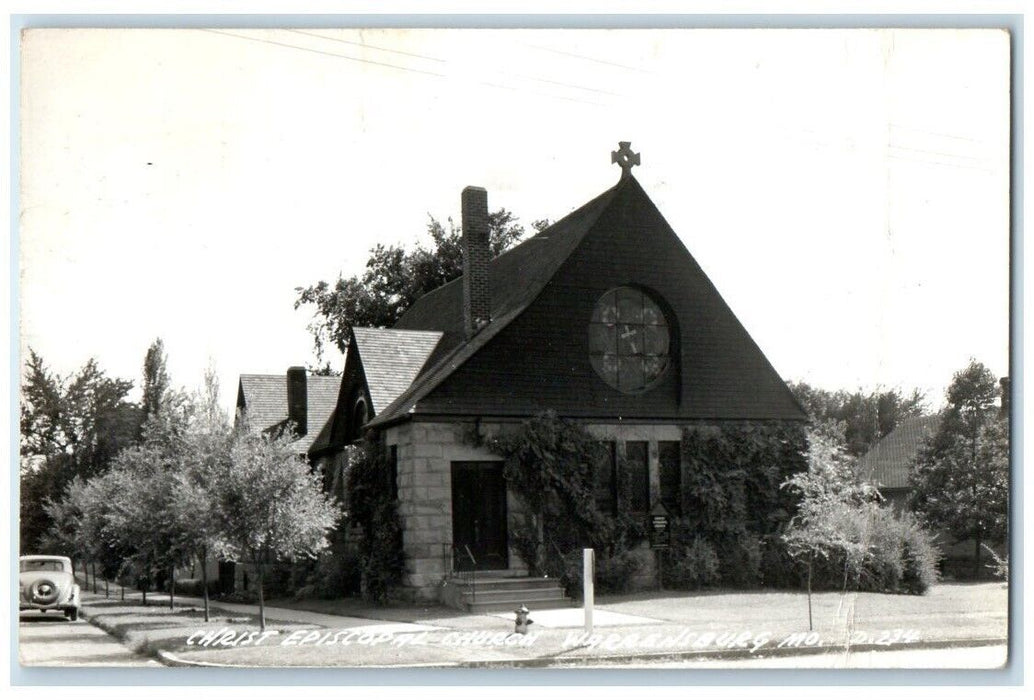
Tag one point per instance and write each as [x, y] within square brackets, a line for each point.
[72, 614]
[44, 592]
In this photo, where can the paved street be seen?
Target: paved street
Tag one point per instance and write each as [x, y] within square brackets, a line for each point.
[51, 640]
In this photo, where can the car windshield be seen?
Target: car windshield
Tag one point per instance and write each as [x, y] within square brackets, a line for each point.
[42, 565]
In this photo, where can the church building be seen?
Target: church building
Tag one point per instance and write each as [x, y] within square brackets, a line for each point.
[604, 317]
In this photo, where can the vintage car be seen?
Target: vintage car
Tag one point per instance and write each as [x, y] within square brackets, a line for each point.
[48, 583]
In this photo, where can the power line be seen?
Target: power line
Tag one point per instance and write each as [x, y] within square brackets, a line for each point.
[926, 161]
[367, 46]
[391, 65]
[442, 60]
[587, 58]
[937, 153]
[934, 133]
[326, 53]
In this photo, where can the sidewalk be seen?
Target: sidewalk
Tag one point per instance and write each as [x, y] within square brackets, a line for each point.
[643, 627]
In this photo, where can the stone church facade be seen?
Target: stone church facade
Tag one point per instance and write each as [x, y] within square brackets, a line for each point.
[604, 318]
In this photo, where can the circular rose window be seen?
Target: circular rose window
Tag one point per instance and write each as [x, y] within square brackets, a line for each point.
[629, 340]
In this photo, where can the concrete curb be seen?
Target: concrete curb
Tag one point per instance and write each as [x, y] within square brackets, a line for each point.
[170, 659]
[726, 654]
[136, 646]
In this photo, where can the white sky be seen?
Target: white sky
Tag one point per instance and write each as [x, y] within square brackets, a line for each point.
[845, 190]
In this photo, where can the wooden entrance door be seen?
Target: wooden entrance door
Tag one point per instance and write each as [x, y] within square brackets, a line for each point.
[479, 516]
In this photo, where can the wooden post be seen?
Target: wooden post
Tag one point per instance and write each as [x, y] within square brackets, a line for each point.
[588, 574]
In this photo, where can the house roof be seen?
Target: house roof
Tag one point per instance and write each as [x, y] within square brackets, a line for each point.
[887, 464]
[516, 277]
[391, 359]
[265, 400]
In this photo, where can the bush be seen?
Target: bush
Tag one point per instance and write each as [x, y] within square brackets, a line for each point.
[1000, 565]
[374, 512]
[739, 558]
[898, 554]
[191, 587]
[920, 556]
[614, 574]
[778, 568]
[690, 564]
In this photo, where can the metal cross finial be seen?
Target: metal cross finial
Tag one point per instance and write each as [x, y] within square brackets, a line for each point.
[624, 157]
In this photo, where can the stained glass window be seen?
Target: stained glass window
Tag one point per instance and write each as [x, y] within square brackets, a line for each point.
[629, 340]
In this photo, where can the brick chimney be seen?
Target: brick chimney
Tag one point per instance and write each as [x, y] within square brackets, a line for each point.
[297, 400]
[476, 301]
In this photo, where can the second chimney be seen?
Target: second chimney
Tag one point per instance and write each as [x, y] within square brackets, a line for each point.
[476, 301]
[297, 400]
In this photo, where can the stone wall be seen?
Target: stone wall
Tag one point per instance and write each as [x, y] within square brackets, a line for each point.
[425, 455]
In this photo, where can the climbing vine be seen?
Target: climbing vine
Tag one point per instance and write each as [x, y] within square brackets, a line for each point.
[372, 508]
[734, 509]
[550, 464]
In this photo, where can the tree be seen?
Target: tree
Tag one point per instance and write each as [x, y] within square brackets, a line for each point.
[205, 455]
[272, 504]
[960, 479]
[865, 417]
[156, 378]
[394, 278]
[70, 426]
[143, 518]
[829, 491]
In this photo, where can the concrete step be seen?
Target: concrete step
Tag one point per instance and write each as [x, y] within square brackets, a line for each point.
[516, 596]
[533, 605]
[499, 583]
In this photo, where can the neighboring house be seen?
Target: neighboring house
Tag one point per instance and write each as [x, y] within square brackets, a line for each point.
[886, 466]
[603, 317]
[276, 402]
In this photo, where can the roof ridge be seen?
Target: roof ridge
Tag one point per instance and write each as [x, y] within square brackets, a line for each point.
[541, 235]
[429, 379]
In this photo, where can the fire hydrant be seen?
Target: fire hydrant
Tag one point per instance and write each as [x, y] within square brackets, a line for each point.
[521, 622]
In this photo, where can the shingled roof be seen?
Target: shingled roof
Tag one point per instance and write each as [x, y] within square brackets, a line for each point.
[264, 398]
[516, 277]
[887, 464]
[391, 359]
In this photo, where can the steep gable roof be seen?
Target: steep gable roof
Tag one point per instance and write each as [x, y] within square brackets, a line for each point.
[264, 398]
[730, 376]
[391, 359]
[516, 277]
[887, 464]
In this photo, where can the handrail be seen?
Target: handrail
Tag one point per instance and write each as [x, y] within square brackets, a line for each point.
[560, 552]
[473, 575]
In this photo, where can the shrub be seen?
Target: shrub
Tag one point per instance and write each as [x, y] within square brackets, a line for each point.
[999, 566]
[374, 512]
[896, 554]
[191, 587]
[690, 564]
[739, 558]
[778, 568]
[614, 574]
[920, 557]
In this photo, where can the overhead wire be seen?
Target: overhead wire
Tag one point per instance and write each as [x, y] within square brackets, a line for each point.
[416, 70]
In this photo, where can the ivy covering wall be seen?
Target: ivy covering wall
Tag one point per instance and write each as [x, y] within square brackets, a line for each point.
[734, 510]
[549, 466]
[372, 509]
